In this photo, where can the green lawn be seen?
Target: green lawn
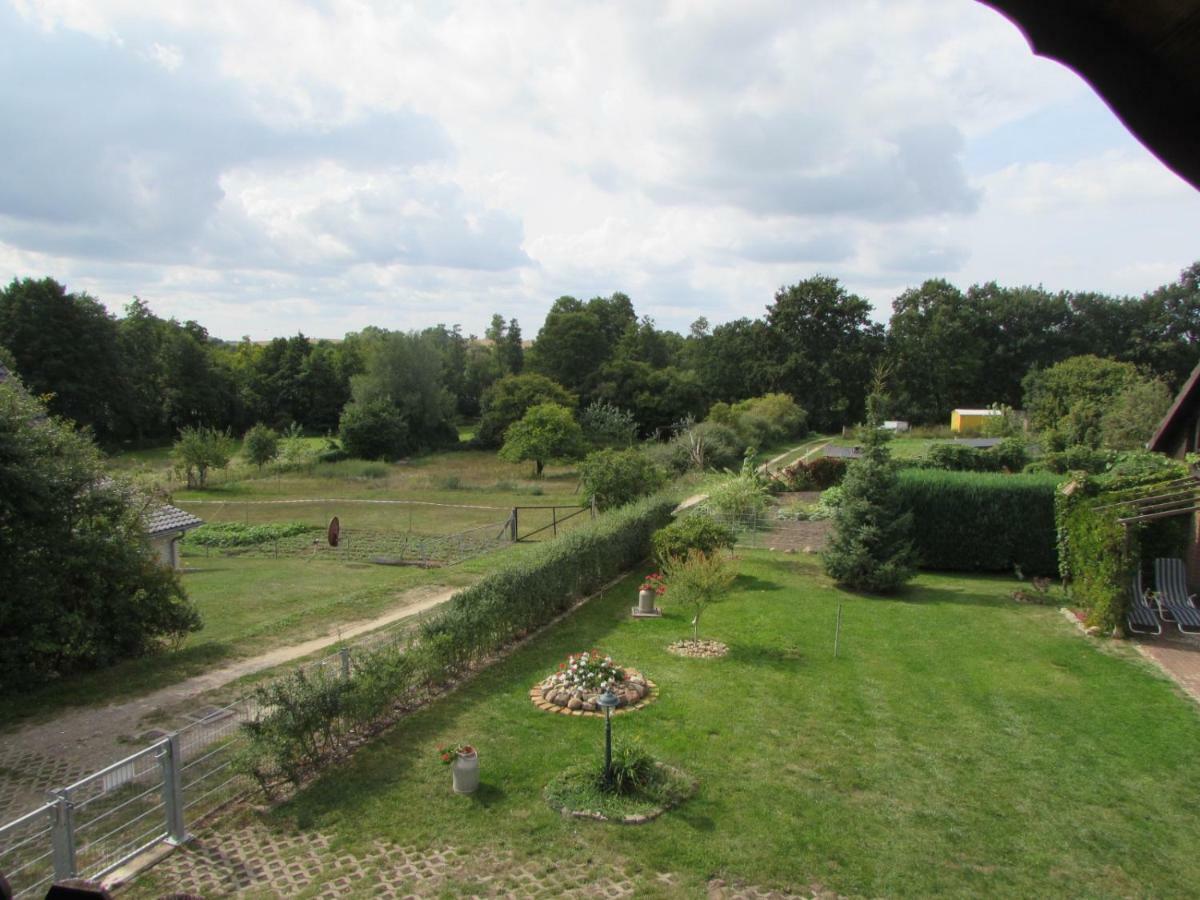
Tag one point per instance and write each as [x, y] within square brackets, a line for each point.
[248, 606]
[961, 745]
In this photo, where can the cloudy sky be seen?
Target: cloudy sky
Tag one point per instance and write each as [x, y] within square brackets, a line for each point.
[266, 167]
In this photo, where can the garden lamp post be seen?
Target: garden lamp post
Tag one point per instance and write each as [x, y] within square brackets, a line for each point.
[608, 702]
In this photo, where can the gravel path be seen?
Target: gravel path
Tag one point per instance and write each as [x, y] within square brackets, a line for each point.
[54, 753]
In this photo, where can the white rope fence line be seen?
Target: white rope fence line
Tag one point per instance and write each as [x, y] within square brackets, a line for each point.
[396, 502]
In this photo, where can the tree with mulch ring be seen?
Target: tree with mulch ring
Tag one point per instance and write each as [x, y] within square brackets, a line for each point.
[696, 581]
[636, 789]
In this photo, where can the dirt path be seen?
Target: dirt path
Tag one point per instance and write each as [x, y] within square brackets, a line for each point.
[54, 753]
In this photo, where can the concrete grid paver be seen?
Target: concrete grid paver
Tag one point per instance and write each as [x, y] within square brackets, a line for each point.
[254, 860]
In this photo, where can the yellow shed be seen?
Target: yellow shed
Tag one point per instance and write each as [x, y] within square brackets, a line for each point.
[970, 419]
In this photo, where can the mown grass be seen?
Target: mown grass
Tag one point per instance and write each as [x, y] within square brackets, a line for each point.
[960, 745]
[248, 606]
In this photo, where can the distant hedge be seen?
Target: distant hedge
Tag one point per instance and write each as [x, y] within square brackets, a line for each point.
[528, 593]
[982, 521]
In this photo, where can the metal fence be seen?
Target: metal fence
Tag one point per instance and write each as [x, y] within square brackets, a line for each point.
[154, 796]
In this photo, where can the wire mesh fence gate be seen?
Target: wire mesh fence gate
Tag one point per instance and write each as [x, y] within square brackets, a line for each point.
[155, 796]
[556, 521]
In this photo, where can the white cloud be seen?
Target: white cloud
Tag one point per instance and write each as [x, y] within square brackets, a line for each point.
[283, 164]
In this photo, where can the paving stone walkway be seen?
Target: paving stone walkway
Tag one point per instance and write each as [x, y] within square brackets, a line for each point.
[256, 861]
[1178, 655]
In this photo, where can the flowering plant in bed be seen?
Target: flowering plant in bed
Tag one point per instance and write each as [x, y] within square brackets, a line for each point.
[588, 670]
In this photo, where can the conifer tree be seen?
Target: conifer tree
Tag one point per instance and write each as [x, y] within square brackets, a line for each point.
[871, 548]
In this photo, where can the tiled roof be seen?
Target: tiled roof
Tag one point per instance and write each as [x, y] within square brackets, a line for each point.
[166, 518]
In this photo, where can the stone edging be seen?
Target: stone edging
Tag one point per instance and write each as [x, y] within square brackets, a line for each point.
[535, 695]
[637, 819]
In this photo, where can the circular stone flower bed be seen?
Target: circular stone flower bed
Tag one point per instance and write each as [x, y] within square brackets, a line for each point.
[576, 793]
[699, 649]
[574, 689]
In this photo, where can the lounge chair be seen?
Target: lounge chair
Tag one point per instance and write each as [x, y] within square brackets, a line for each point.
[1175, 604]
[1141, 617]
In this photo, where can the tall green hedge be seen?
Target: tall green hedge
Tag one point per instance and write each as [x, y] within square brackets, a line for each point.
[982, 521]
[526, 594]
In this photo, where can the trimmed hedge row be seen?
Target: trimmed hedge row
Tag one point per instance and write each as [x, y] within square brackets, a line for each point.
[525, 595]
[317, 716]
[982, 521]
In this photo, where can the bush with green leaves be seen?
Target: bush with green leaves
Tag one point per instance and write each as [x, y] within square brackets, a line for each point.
[981, 521]
[1077, 458]
[763, 420]
[738, 496]
[374, 429]
[692, 532]
[612, 478]
[508, 399]
[199, 450]
[607, 425]
[871, 546]
[82, 587]
[1008, 455]
[260, 445]
[706, 445]
[632, 770]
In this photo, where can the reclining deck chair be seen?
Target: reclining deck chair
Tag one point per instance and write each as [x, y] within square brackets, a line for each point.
[1141, 616]
[1171, 594]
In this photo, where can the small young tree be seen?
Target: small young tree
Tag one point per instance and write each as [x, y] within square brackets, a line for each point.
[261, 445]
[695, 532]
[546, 432]
[606, 425]
[200, 449]
[871, 549]
[612, 478]
[696, 581]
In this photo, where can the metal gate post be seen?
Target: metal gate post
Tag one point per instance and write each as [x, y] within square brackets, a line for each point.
[63, 837]
[170, 758]
[513, 522]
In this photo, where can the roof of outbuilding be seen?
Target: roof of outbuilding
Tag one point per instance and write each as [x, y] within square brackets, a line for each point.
[166, 518]
[1177, 415]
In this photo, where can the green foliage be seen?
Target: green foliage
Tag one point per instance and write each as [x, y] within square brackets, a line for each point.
[696, 581]
[200, 450]
[237, 534]
[374, 429]
[633, 770]
[1077, 458]
[261, 445]
[817, 475]
[1073, 396]
[612, 478]
[692, 532]
[606, 425]
[525, 594]
[507, 401]
[981, 521]
[707, 445]
[1134, 415]
[871, 546]
[1009, 455]
[737, 496]
[763, 420]
[546, 432]
[82, 588]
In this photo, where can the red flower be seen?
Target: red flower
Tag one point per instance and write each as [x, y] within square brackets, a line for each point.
[445, 757]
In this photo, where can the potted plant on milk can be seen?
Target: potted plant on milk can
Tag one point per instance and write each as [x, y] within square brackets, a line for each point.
[463, 761]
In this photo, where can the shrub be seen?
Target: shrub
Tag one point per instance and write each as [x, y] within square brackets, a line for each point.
[200, 449]
[871, 548]
[633, 770]
[708, 446]
[762, 420]
[606, 425]
[374, 429]
[612, 478]
[692, 532]
[737, 496]
[1009, 454]
[261, 445]
[1073, 459]
[981, 521]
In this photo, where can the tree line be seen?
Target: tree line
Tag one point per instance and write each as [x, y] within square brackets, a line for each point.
[140, 378]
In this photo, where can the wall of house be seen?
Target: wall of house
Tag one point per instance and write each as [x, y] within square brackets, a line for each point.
[166, 546]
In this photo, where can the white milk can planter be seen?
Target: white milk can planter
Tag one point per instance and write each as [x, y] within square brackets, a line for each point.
[646, 601]
[465, 770]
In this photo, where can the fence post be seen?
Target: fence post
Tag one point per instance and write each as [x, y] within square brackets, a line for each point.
[554, 519]
[63, 837]
[513, 524]
[344, 653]
[170, 758]
[593, 506]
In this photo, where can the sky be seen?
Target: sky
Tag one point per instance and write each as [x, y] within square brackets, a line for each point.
[272, 167]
